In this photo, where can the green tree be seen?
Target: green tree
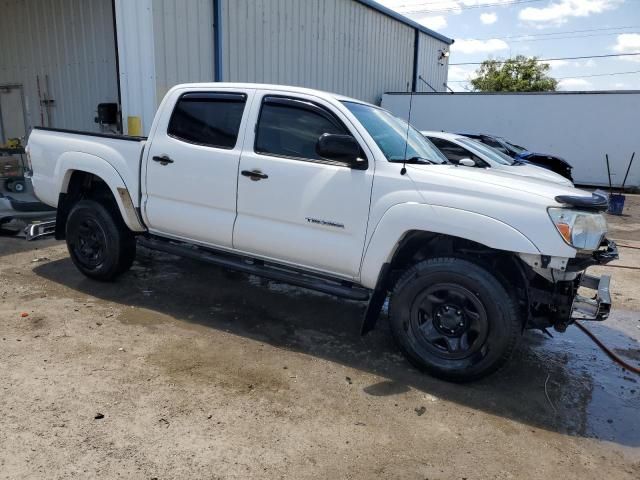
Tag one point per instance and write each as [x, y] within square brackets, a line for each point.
[519, 74]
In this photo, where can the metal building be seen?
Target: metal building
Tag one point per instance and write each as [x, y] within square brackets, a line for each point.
[59, 59]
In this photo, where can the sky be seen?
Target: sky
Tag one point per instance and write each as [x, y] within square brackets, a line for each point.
[544, 28]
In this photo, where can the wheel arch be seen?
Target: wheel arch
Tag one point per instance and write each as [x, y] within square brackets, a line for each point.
[88, 176]
[386, 259]
[404, 223]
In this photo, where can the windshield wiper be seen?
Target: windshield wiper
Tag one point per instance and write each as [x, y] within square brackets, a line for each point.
[413, 161]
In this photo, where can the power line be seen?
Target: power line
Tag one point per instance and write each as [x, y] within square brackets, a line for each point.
[598, 75]
[535, 35]
[572, 76]
[462, 7]
[558, 58]
[567, 37]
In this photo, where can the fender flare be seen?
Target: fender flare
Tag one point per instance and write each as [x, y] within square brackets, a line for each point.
[71, 162]
[402, 218]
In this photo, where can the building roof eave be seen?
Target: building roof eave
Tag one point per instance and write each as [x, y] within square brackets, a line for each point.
[407, 21]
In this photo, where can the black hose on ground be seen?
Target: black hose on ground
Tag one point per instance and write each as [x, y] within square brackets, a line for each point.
[606, 350]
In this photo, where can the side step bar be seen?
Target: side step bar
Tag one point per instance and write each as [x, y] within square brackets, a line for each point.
[258, 267]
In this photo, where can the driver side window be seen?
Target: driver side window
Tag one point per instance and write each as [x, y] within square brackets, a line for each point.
[291, 128]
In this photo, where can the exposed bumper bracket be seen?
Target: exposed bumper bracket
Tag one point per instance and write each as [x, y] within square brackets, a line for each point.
[596, 308]
[36, 231]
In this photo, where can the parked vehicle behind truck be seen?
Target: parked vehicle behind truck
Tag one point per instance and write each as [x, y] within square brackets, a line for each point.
[336, 195]
[461, 150]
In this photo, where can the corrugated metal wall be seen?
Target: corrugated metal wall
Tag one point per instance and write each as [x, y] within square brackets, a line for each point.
[433, 70]
[184, 43]
[71, 41]
[336, 45]
[134, 21]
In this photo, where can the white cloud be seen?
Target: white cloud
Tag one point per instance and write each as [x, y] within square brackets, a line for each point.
[479, 46]
[435, 23]
[574, 84]
[461, 72]
[558, 64]
[560, 11]
[555, 64]
[488, 18]
[628, 43]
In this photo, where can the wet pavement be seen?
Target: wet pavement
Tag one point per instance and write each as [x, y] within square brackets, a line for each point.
[202, 373]
[586, 394]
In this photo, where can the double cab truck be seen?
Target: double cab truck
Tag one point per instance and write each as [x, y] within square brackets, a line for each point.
[333, 194]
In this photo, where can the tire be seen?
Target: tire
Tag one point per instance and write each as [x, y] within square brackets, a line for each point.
[453, 319]
[99, 243]
[18, 187]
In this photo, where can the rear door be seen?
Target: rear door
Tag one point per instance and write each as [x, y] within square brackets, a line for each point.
[293, 205]
[192, 165]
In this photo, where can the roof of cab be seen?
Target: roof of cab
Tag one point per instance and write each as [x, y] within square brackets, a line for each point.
[266, 86]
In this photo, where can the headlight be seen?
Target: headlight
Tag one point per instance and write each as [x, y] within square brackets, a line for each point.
[582, 230]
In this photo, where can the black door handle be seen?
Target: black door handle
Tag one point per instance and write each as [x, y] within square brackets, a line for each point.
[254, 175]
[163, 160]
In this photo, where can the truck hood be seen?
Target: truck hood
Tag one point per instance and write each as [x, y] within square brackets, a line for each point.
[530, 170]
[492, 182]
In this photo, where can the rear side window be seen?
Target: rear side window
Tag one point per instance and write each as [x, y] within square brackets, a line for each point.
[210, 119]
[291, 128]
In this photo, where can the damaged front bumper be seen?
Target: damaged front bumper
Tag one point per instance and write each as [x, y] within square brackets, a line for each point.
[596, 308]
[556, 288]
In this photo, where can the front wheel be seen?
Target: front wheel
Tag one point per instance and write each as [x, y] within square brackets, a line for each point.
[454, 319]
[99, 243]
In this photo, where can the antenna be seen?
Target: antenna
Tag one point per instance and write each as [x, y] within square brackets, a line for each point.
[406, 140]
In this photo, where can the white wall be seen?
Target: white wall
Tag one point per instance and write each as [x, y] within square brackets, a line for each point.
[430, 67]
[134, 24]
[580, 127]
[184, 43]
[71, 42]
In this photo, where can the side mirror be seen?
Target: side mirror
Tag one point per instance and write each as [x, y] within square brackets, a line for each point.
[343, 148]
[466, 162]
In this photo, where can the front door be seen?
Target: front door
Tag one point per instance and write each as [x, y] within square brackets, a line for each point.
[293, 205]
[192, 166]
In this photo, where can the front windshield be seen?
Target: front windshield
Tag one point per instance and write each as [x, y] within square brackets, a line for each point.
[516, 148]
[492, 154]
[390, 134]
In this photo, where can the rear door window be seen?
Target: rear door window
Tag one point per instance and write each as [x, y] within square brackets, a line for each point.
[209, 119]
[290, 127]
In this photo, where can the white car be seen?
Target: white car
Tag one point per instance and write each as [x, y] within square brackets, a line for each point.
[333, 194]
[461, 150]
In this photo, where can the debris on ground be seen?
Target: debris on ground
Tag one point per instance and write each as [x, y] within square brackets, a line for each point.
[99, 416]
[420, 411]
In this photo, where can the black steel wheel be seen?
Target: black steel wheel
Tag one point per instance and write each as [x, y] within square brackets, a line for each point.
[454, 319]
[99, 243]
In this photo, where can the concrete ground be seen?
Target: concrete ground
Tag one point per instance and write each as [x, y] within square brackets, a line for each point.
[180, 370]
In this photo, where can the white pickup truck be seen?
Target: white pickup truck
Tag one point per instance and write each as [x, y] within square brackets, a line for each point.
[336, 195]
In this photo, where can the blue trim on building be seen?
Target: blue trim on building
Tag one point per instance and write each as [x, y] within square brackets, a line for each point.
[217, 33]
[405, 20]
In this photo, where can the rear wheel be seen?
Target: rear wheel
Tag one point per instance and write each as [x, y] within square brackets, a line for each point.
[454, 319]
[99, 243]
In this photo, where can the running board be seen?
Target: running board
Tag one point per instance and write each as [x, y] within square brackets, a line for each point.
[339, 288]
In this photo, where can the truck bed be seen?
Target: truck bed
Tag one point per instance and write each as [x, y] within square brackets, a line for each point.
[51, 148]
